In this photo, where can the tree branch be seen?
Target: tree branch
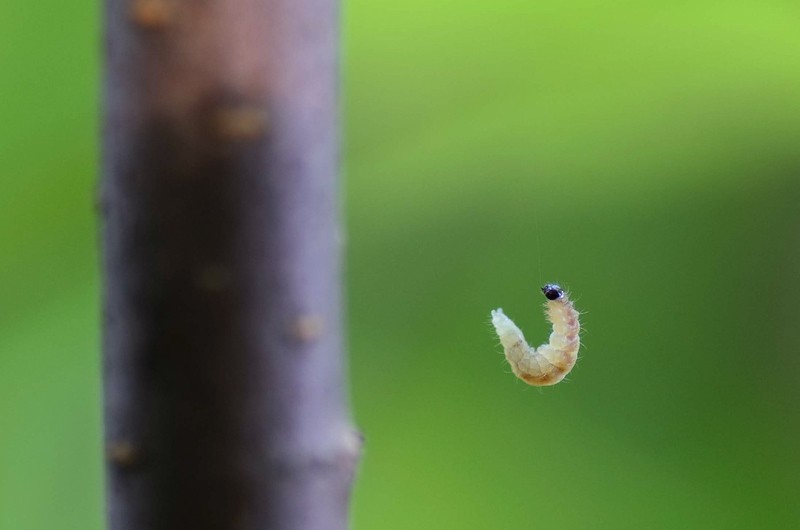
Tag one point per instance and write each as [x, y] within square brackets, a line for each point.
[224, 401]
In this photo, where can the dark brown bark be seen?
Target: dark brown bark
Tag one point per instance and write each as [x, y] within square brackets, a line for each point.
[224, 399]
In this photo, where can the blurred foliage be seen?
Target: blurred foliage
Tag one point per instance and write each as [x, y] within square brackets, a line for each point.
[642, 153]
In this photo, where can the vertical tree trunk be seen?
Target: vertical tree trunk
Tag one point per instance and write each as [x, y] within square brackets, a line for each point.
[224, 400]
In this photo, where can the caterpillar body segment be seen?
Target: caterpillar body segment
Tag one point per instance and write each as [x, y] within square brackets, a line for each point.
[549, 363]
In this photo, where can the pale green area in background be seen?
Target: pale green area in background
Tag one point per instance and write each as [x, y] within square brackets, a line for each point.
[645, 154]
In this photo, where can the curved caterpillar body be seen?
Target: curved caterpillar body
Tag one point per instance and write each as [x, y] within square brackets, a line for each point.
[549, 363]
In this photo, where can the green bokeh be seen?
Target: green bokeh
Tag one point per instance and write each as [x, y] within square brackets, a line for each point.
[642, 153]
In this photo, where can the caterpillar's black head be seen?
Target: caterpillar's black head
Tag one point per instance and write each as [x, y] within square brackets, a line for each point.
[552, 291]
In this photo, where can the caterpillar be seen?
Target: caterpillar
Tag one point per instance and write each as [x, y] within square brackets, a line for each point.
[549, 363]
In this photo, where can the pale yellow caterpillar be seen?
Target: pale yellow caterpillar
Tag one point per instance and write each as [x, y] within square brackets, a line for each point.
[549, 363]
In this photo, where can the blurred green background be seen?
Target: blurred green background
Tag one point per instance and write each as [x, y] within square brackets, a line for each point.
[644, 154]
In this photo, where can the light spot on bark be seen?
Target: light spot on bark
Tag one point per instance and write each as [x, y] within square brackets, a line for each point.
[307, 328]
[240, 122]
[152, 14]
[352, 443]
[123, 454]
